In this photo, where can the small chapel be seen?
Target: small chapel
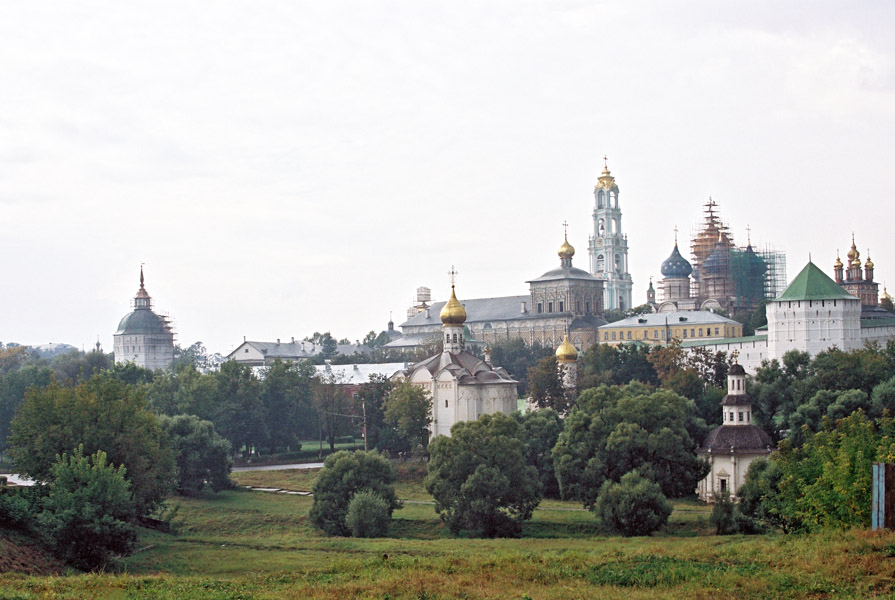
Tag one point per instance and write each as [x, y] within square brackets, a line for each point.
[463, 387]
[730, 447]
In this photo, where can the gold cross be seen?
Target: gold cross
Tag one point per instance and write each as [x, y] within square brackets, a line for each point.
[453, 274]
[675, 234]
[565, 228]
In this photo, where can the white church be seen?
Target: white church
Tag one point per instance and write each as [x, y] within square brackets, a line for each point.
[462, 386]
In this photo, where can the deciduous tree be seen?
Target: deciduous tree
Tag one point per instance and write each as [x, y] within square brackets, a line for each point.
[479, 477]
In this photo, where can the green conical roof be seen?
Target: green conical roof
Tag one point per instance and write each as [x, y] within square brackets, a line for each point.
[813, 284]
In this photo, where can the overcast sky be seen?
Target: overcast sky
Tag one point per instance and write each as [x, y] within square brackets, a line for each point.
[289, 167]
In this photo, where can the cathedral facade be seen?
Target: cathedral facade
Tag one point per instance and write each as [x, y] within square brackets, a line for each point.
[608, 246]
[564, 300]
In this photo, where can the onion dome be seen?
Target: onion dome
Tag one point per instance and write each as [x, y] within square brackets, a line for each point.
[566, 352]
[854, 257]
[885, 295]
[869, 263]
[838, 263]
[453, 312]
[566, 250]
[676, 265]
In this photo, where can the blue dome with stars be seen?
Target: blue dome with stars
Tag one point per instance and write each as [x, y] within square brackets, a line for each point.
[676, 265]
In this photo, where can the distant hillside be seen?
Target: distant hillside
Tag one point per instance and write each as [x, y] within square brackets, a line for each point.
[20, 554]
[46, 350]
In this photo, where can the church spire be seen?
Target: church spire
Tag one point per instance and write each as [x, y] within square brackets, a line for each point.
[142, 299]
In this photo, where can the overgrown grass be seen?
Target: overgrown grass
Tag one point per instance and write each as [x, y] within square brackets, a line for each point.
[242, 544]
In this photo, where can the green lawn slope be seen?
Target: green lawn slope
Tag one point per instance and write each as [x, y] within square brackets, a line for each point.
[251, 544]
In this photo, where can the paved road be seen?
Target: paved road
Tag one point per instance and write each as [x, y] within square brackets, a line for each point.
[316, 465]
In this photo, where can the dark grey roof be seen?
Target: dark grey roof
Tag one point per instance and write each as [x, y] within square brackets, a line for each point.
[143, 321]
[586, 322]
[565, 273]
[477, 310]
[736, 399]
[736, 369]
[874, 312]
[466, 367]
[746, 439]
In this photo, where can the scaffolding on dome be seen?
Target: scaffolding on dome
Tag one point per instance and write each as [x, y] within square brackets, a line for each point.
[753, 278]
[704, 241]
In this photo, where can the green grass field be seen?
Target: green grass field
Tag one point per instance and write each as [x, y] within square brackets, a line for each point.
[249, 544]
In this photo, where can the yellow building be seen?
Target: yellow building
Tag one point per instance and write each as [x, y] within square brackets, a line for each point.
[661, 328]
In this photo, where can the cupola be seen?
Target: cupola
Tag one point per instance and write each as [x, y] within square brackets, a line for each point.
[566, 352]
[676, 265]
[453, 312]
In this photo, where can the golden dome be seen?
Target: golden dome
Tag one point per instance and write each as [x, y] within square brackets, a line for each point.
[885, 295]
[566, 250]
[453, 312]
[838, 263]
[869, 263]
[854, 257]
[566, 352]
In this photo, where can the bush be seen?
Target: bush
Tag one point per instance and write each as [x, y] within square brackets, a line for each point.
[724, 515]
[368, 515]
[344, 475]
[88, 512]
[634, 506]
[15, 510]
[203, 457]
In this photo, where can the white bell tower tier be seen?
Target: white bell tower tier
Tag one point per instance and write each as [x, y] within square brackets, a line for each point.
[609, 246]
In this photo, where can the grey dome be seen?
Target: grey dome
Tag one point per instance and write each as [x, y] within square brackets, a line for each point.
[142, 321]
[716, 262]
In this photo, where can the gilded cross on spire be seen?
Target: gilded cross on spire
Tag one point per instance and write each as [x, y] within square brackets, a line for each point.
[453, 274]
[565, 228]
[748, 235]
[675, 235]
[605, 161]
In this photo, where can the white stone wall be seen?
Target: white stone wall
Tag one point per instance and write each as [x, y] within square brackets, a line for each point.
[813, 325]
[728, 467]
[148, 351]
[750, 353]
[453, 403]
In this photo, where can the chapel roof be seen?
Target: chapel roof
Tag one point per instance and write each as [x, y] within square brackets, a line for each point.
[737, 439]
[465, 367]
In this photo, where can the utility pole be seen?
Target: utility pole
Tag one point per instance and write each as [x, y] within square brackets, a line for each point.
[364, 407]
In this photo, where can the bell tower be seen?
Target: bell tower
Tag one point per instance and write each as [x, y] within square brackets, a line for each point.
[609, 246]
